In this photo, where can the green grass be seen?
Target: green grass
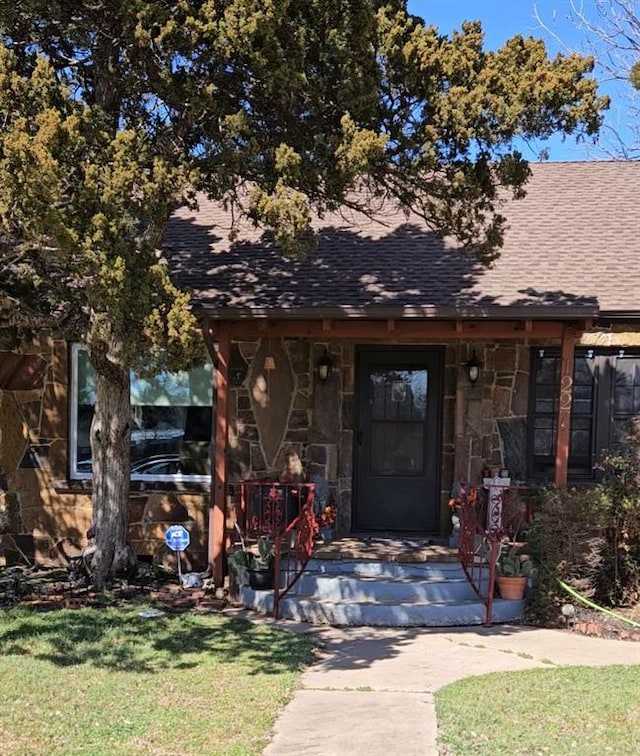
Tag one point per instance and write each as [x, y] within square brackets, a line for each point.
[568, 710]
[106, 681]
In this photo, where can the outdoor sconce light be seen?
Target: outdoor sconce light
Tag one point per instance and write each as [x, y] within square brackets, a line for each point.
[324, 366]
[473, 368]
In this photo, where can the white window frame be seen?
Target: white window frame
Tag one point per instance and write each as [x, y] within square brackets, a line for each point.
[73, 434]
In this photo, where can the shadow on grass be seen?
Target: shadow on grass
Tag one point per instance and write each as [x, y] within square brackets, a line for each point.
[118, 639]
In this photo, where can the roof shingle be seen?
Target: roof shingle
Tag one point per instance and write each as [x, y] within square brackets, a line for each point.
[572, 242]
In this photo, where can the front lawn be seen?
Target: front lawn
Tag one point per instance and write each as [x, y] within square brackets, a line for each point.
[569, 710]
[108, 681]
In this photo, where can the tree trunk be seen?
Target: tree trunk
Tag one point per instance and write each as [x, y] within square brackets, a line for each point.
[111, 452]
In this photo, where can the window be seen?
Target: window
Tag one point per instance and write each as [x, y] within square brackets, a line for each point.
[171, 422]
[606, 395]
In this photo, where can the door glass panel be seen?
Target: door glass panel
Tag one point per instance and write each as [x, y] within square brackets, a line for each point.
[397, 448]
[547, 379]
[580, 443]
[398, 412]
[544, 437]
[398, 395]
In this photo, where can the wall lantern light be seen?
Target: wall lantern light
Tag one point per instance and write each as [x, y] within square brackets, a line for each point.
[473, 368]
[324, 366]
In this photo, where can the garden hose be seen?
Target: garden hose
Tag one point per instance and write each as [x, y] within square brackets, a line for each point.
[573, 593]
[587, 602]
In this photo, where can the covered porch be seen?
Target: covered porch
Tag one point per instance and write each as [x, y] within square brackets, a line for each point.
[270, 401]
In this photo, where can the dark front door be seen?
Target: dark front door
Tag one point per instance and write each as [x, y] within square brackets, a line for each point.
[397, 450]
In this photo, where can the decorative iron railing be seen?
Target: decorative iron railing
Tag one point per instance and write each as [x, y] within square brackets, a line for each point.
[298, 542]
[284, 512]
[478, 551]
[507, 510]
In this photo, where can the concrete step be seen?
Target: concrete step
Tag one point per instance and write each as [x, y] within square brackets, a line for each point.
[390, 613]
[355, 587]
[389, 594]
[367, 567]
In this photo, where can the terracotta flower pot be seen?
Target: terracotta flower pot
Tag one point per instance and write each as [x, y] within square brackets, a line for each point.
[511, 587]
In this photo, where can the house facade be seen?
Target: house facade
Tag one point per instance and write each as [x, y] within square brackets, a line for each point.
[385, 362]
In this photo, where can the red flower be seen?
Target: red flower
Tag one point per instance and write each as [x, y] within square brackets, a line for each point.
[327, 517]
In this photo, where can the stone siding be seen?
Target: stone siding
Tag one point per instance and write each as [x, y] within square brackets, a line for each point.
[278, 411]
[38, 502]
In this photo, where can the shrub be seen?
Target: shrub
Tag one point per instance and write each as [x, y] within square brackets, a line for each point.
[618, 580]
[589, 537]
[566, 538]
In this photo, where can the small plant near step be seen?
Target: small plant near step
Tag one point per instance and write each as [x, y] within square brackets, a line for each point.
[249, 559]
[258, 558]
[266, 555]
[512, 562]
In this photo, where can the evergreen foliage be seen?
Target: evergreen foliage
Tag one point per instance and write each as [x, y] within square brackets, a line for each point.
[115, 113]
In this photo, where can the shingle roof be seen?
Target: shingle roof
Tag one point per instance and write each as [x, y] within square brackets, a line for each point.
[573, 242]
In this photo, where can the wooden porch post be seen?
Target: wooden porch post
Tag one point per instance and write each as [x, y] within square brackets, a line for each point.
[217, 514]
[564, 406]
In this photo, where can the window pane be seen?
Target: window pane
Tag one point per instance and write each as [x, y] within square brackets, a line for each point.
[583, 372]
[545, 409]
[620, 434]
[626, 398]
[171, 421]
[580, 441]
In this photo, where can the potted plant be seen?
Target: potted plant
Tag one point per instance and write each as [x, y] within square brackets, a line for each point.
[512, 570]
[254, 566]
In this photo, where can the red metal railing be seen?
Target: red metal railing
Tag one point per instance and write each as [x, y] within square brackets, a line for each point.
[298, 541]
[507, 510]
[284, 512]
[478, 551]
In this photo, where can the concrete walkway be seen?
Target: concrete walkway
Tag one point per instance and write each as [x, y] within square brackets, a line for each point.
[371, 692]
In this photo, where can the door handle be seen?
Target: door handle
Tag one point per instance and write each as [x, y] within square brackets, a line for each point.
[359, 437]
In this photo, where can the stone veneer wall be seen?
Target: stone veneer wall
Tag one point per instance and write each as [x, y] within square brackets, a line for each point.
[283, 411]
[494, 416]
[40, 509]
[272, 413]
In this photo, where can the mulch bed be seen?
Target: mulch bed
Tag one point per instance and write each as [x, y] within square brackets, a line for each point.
[49, 589]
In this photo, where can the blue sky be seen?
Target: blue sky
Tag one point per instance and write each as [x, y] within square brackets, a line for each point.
[502, 19]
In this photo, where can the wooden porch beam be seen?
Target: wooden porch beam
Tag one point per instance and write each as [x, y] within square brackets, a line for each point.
[407, 330]
[217, 514]
[564, 406]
